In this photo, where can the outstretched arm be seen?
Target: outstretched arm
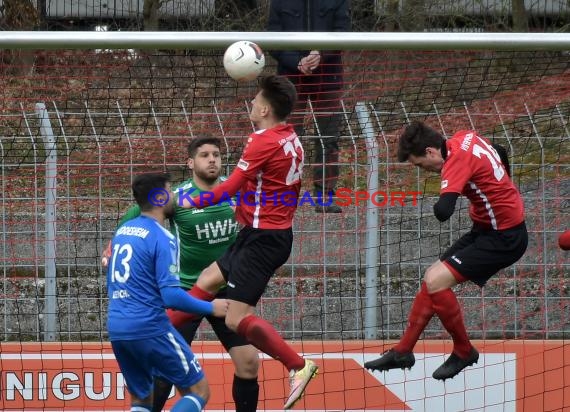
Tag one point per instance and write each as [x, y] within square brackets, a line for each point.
[175, 297]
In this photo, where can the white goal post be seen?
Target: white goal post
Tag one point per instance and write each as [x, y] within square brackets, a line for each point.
[290, 40]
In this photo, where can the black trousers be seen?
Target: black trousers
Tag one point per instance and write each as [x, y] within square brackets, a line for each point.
[326, 116]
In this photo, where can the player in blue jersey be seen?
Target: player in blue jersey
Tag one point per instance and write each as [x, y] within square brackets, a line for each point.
[143, 280]
[203, 237]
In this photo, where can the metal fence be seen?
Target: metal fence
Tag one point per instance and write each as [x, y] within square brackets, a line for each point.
[65, 179]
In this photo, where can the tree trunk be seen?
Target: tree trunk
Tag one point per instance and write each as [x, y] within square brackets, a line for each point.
[392, 13]
[21, 15]
[150, 15]
[520, 19]
[413, 15]
[42, 12]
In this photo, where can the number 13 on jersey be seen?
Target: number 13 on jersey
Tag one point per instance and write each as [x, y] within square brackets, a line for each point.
[123, 253]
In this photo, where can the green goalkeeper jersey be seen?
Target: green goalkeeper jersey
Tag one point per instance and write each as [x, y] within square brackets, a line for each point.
[203, 234]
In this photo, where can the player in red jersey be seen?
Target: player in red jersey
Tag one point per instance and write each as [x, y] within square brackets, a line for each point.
[268, 178]
[469, 166]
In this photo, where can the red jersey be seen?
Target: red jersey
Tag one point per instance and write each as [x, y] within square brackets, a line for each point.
[473, 168]
[268, 177]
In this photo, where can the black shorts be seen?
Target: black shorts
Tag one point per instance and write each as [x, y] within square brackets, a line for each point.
[479, 254]
[227, 337]
[249, 263]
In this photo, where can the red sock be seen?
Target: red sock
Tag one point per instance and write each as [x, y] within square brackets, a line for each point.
[178, 317]
[265, 338]
[419, 317]
[446, 306]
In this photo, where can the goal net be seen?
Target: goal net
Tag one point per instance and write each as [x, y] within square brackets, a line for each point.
[76, 125]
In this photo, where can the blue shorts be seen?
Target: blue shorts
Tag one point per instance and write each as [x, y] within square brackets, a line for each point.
[167, 356]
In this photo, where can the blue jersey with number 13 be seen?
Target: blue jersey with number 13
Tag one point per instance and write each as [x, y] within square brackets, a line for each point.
[144, 260]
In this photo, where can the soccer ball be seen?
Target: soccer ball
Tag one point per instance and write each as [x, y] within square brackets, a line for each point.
[244, 60]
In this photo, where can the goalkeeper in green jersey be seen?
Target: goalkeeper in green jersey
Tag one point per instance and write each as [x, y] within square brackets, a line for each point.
[204, 235]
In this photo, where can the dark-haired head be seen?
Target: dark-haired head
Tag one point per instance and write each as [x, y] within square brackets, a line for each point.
[198, 142]
[151, 189]
[280, 93]
[416, 138]
[204, 160]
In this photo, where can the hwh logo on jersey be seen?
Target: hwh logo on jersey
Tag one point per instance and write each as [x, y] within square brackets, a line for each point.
[218, 229]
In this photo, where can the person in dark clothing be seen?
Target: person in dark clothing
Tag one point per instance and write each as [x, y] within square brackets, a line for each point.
[318, 77]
